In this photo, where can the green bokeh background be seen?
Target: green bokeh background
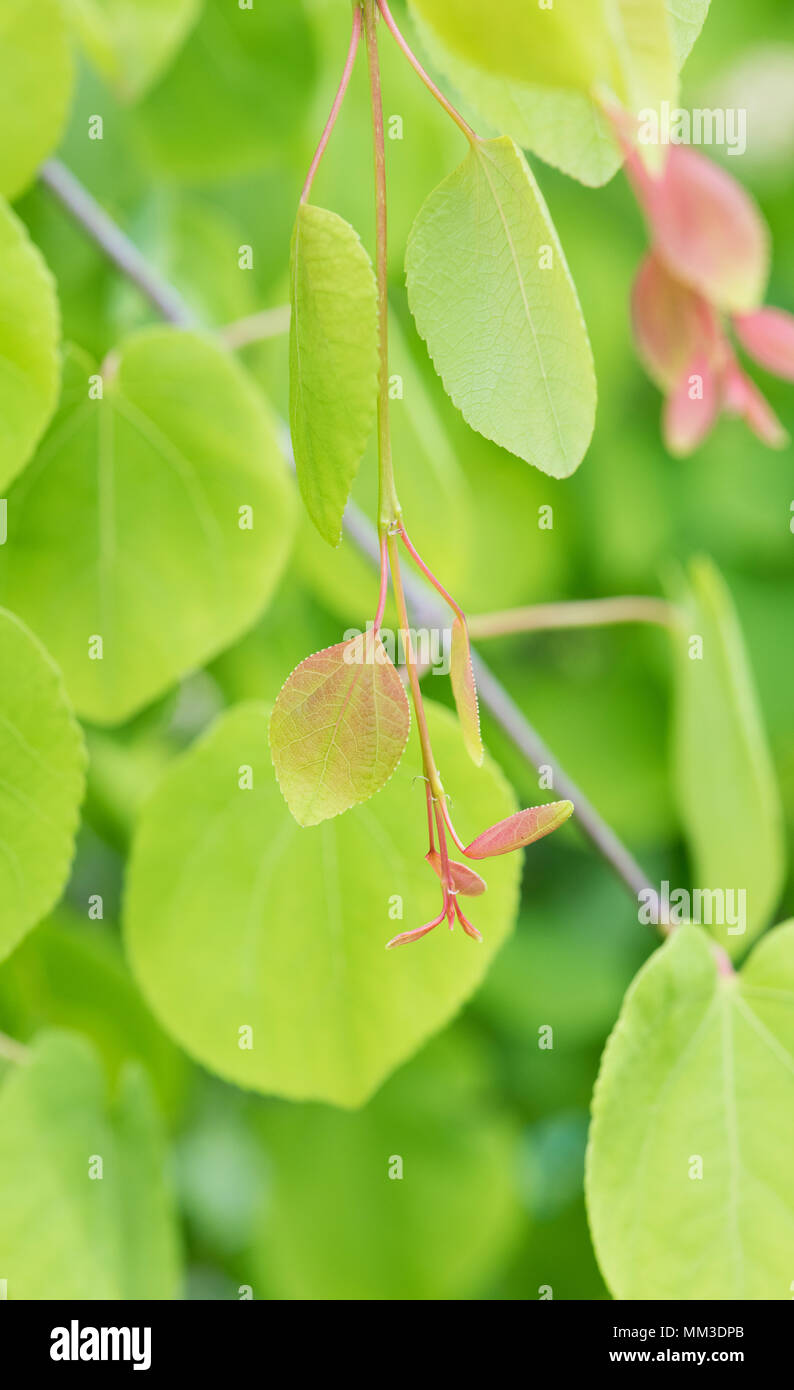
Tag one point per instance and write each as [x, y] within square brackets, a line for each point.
[255, 1179]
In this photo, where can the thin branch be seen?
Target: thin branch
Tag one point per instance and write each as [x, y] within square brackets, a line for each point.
[427, 610]
[337, 105]
[256, 328]
[13, 1051]
[597, 612]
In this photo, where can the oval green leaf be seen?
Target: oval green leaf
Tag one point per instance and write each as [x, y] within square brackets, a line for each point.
[493, 298]
[333, 362]
[236, 919]
[29, 332]
[727, 793]
[690, 1186]
[131, 523]
[35, 88]
[42, 778]
[62, 1234]
[338, 729]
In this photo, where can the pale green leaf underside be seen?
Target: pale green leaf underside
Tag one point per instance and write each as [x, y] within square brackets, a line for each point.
[687, 18]
[42, 763]
[333, 362]
[506, 335]
[726, 786]
[29, 330]
[126, 524]
[698, 1067]
[131, 42]
[35, 87]
[236, 917]
[62, 1234]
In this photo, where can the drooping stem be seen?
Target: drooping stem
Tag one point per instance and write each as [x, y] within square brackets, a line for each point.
[391, 25]
[384, 583]
[429, 575]
[337, 103]
[429, 766]
[599, 612]
[388, 503]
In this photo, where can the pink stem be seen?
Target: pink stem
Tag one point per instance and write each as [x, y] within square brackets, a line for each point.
[384, 583]
[429, 575]
[446, 877]
[430, 816]
[450, 827]
[428, 81]
[338, 99]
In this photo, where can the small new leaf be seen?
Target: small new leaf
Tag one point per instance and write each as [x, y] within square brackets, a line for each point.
[333, 362]
[520, 830]
[464, 880]
[464, 689]
[338, 729]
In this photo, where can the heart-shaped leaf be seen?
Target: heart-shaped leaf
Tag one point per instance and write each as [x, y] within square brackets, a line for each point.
[690, 1186]
[238, 920]
[493, 298]
[42, 762]
[461, 675]
[157, 519]
[29, 330]
[464, 879]
[35, 88]
[339, 728]
[520, 830]
[68, 1228]
[333, 362]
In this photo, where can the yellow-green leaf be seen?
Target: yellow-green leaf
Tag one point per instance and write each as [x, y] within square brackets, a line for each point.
[35, 87]
[29, 330]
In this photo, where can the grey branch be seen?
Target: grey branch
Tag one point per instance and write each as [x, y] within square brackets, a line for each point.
[426, 609]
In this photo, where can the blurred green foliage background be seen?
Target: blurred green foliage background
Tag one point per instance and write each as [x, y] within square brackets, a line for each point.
[293, 1199]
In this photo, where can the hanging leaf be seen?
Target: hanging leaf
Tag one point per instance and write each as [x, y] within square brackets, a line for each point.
[35, 88]
[690, 1187]
[62, 1234]
[493, 298]
[692, 407]
[461, 675]
[687, 18]
[236, 919]
[768, 336]
[42, 778]
[131, 42]
[29, 331]
[726, 787]
[157, 519]
[464, 880]
[671, 323]
[333, 362]
[339, 728]
[520, 830]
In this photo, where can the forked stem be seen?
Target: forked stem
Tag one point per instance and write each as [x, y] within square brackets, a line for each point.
[455, 115]
[429, 575]
[355, 38]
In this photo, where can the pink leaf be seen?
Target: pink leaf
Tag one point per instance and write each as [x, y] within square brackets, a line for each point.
[519, 830]
[691, 409]
[672, 323]
[768, 336]
[742, 397]
[705, 227]
[463, 879]
[464, 689]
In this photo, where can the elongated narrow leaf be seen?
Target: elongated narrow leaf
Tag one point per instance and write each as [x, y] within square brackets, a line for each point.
[519, 830]
[42, 761]
[29, 329]
[236, 919]
[339, 728]
[464, 879]
[333, 362]
[690, 1186]
[35, 87]
[464, 689]
[493, 298]
[85, 1212]
[726, 787]
[153, 523]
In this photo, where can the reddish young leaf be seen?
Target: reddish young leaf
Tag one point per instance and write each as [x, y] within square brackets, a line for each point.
[692, 408]
[464, 879]
[768, 336]
[338, 729]
[672, 323]
[519, 830]
[742, 397]
[464, 689]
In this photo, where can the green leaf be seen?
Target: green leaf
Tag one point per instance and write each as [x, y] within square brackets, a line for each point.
[42, 778]
[426, 1177]
[62, 1234]
[338, 729]
[333, 362]
[700, 1066]
[127, 524]
[726, 785]
[687, 18]
[35, 88]
[131, 42]
[493, 298]
[236, 918]
[29, 329]
[642, 36]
